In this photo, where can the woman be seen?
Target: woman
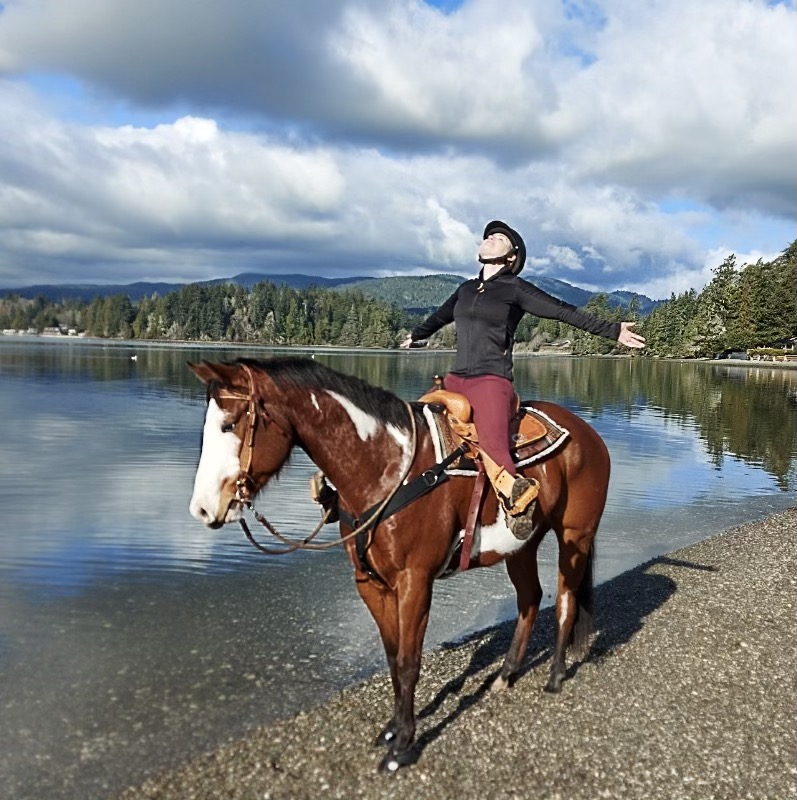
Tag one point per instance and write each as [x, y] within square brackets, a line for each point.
[487, 310]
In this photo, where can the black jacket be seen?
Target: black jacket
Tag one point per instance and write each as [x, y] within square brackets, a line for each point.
[487, 314]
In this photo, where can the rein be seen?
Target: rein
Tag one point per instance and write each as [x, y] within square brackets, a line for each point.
[244, 482]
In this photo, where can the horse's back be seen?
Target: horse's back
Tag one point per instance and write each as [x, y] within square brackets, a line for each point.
[574, 479]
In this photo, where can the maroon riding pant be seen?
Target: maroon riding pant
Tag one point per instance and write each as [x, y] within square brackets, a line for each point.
[490, 397]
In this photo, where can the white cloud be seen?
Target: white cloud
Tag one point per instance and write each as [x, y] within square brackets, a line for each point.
[455, 244]
[565, 257]
[172, 177]
[464, 74]
[690, 96]
[347, 138]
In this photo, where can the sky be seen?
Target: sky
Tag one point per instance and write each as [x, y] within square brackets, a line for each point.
[635, 145]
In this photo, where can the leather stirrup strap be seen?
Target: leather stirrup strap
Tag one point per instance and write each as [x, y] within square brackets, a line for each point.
[499, 477]
[473, 516]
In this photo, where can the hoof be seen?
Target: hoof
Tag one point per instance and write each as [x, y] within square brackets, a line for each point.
[554, 685]
[393, 761]
[386, 737]
[500, 684]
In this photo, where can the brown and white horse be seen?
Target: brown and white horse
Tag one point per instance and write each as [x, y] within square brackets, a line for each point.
[361, 437]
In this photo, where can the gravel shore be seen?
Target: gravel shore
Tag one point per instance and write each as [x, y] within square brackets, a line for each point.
[688, 692]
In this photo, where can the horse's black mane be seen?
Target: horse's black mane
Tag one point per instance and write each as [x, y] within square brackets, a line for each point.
[305, 373]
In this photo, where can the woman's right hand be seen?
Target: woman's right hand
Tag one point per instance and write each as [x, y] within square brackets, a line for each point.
[630, 338]
[406, 343]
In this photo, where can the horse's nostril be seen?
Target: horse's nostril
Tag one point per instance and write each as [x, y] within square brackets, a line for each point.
[198, 513]
[205, 517]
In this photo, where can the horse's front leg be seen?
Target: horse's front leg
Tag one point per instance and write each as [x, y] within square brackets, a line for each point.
[414, 598]
[381, 602]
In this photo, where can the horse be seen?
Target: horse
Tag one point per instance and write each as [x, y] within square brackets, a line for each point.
[368, 441]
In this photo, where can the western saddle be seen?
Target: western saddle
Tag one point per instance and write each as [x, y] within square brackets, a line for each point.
[459, 416]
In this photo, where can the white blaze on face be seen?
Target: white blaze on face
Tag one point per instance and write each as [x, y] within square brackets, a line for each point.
[365, 424]
[218, 462]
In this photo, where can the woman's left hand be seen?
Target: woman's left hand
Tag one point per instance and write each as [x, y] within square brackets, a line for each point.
[628, 337]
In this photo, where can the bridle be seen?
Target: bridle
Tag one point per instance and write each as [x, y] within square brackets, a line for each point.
[245, 482]
[245, 485]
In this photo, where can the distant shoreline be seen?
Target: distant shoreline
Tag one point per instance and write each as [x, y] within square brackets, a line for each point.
[326, 348]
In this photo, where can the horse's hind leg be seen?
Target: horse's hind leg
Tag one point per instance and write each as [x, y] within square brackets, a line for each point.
[522, 569]
[573, 601]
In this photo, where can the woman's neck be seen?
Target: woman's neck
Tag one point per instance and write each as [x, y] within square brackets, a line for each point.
[489, 270]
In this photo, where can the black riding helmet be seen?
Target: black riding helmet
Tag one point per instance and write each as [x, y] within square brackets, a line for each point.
[496, 226]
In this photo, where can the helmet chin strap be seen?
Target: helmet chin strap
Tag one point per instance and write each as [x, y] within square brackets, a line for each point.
[497, 260]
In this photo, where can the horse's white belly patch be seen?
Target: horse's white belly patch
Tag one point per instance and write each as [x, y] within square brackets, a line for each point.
[496, 538]
[365, 425]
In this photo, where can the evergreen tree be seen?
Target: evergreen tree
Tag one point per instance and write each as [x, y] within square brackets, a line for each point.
[350, 331]
[586, 343]
[717, 309]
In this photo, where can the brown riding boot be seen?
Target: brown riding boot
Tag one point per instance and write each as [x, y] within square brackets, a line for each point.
[521, 509]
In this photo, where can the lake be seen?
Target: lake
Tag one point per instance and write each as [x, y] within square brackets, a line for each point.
[131, 637]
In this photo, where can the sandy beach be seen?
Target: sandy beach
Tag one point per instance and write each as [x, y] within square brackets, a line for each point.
[688, 692]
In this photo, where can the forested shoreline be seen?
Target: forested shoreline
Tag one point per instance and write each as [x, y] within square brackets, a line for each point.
[741, 308]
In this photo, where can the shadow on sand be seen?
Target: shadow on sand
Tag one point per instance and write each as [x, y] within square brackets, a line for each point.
[621, 606]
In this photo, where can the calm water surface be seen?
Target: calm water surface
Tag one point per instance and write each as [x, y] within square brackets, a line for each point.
[131, 637]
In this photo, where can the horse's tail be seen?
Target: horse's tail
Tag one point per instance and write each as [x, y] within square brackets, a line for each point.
[583, 626]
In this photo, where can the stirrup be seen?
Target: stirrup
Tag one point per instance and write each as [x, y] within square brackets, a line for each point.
[522, 525]
[514, 491]
[524, 493]
[520, 516]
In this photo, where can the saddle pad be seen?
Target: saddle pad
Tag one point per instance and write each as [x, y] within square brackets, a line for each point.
[527, 453]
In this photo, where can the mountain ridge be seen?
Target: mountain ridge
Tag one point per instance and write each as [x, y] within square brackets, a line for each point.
[418, 293]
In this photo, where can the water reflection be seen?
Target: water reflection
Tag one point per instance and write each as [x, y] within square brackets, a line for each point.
[743, 411]
[117, 441]
[131, 633]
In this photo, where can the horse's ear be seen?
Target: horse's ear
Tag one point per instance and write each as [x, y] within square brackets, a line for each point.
[207, 372]
[203, 371]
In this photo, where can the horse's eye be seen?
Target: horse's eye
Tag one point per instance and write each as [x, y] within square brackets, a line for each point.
[227, 427]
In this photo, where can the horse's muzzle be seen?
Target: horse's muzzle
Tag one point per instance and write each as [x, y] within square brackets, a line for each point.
[231, 512]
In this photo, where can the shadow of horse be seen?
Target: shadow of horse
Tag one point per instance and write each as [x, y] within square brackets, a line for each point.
[622, 605]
